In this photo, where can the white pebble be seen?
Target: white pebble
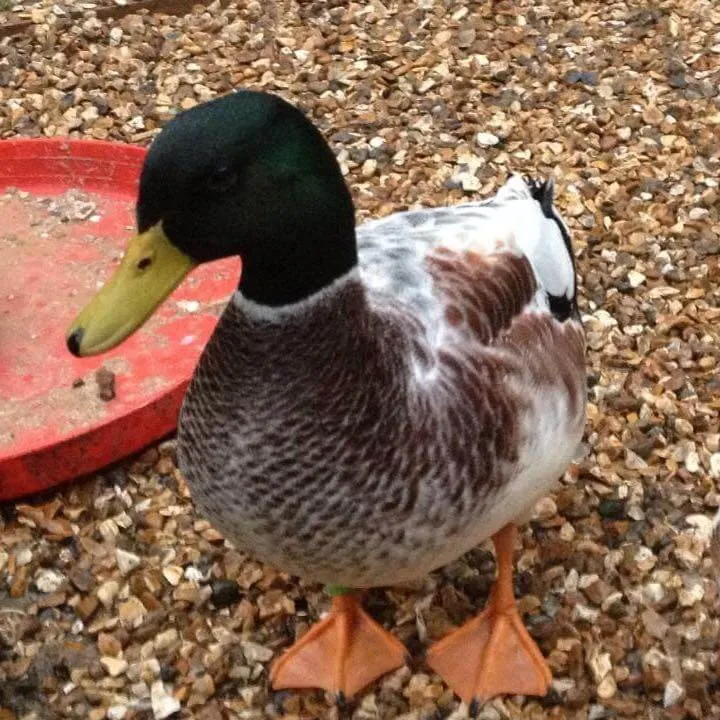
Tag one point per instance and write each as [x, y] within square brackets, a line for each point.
[486, 139]
[468, 181]
[114, 666]
[193, 574]
[49, 581]
[126, 561]
[24, 556]
[687, 597]
[692, 462]
[673, 693]
[605, 319]
[165, 639]
[635, 278]
[173, 574]
[607, 688]
[677, 189]
[600, 665]
[715, 465]
[369, 167]
[702, 524]
[107, 593]
[645, 559]
[255, 653]
[163, 705]
[653, 593]
[545, 508]
[571, 581]
[585, 613]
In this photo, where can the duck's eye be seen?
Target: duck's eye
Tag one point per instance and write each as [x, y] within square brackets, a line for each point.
[144, 263]
[222, 179]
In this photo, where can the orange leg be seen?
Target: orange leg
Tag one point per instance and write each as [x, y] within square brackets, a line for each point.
[493, 654]
[342, 653]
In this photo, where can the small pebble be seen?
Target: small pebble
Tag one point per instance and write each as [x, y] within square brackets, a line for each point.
[254, 652]
[225, 593]
[487, 139]
[127, 561]
[673, 693]
[107, 593]
[114, 666]
[163, 704]
[49, 581]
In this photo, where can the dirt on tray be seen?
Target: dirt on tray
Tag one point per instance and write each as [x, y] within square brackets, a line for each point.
[71, 206]
[52, 252]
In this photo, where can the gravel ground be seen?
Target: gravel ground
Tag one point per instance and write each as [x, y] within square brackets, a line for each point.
[117, 601]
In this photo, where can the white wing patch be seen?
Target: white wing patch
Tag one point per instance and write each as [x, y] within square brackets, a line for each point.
[392, 250]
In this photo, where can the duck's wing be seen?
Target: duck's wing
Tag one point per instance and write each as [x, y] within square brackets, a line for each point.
[474, 268]
[493, 286]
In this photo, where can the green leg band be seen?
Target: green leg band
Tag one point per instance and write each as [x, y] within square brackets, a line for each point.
[334, 590]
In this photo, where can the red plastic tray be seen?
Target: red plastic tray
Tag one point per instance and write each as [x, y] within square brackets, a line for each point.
[53, 424]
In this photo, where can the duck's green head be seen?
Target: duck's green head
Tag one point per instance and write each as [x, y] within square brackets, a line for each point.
[246, 174]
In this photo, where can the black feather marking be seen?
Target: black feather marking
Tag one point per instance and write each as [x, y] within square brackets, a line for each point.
[544, 192]
[561, 307]
[574, 310]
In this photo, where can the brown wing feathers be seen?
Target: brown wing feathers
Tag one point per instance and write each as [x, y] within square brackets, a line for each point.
[484, 293]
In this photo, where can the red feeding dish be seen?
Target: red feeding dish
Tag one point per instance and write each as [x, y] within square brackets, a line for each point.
[66, 213]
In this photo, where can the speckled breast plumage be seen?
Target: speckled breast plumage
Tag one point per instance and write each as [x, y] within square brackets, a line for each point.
[339, 446]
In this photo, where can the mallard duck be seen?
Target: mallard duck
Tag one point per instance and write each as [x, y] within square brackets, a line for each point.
[374, 401]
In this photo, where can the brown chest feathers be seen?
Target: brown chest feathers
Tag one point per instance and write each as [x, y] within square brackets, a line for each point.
[338, 446]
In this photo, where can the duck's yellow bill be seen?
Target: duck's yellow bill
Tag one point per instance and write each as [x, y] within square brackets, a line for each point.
[150, 270]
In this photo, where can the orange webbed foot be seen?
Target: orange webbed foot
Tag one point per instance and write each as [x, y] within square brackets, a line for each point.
[342, 653]
[493, 654]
